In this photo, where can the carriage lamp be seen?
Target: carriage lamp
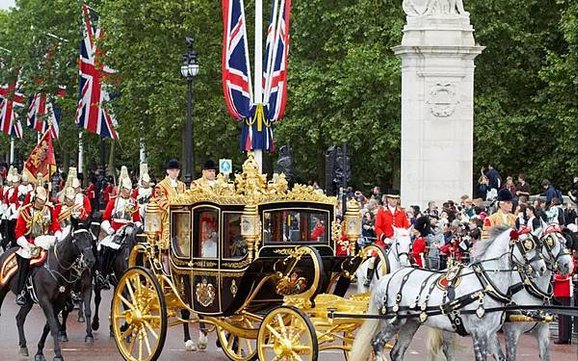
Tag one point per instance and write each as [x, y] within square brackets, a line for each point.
[152, 220]
[352, 221]
[250, 228]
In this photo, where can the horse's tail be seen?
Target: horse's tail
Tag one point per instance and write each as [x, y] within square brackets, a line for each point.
[361, 349]
[434, 344]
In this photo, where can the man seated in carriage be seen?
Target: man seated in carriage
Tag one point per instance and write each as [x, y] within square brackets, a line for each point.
[318, 229]
[120, 211]
[34, 221]
[208, 177]
[388, 216]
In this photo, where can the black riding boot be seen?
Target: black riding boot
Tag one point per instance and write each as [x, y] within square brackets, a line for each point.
[23, 267]
[104, 269]
[370, 271]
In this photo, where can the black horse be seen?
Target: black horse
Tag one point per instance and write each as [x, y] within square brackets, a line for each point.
[119, 265]
[83, 287]
[52, 283]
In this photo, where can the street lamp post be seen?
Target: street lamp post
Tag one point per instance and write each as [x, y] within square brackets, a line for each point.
[189, 69]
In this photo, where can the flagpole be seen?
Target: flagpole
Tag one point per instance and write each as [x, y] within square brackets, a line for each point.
[142, 153]
[11, 150]
[80, 153]
[259, 68]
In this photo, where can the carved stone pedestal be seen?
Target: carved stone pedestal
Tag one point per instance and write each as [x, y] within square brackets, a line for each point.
[437, 54]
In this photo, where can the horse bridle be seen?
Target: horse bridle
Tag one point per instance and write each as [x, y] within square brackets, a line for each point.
[548, 242]
[78, 265]
[530, 243]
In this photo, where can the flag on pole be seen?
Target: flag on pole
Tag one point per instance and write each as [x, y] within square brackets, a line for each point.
[90, 111]
[9, 123]
[258, 115]
[236, 71]
[275, 96]
[41, 159]
[43, 115]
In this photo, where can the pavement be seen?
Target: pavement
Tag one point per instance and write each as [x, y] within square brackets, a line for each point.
[104, 347]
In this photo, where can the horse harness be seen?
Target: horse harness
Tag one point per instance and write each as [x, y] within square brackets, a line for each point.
[452, 306]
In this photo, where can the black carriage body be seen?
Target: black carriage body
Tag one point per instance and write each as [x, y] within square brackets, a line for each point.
[221, 276]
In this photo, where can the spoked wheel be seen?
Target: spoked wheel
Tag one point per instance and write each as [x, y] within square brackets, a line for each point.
[287, 334]
[238, 348]
[139, 319]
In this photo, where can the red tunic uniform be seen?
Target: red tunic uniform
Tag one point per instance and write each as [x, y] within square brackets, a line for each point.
[119, 211]
[26, 226]
[417, 251]
[385, 220]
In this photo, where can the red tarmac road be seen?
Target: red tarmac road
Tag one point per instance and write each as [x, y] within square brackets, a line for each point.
[104, 347]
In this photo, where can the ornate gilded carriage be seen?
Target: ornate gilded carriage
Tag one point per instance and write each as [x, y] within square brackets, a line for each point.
[233, 254]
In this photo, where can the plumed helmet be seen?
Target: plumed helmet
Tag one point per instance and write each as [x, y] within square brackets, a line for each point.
[210, 164]
[75, 183]
[126, 183]
[423, 226]
[40, 193]
[173, 164]
[146, 178]
[504, 195]
[69, 193]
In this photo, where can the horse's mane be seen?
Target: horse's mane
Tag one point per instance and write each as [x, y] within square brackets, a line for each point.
[481, 247]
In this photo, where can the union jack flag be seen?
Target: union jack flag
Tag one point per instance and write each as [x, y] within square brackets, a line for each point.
[43, 115]
[11, 98]
[90, 111]
[235, 62]
[276, 55]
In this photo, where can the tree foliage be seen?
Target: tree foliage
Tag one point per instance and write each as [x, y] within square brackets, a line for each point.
[344, 81]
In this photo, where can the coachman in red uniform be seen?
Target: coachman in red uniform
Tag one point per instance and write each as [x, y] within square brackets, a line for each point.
[34, 220]
[389, 216]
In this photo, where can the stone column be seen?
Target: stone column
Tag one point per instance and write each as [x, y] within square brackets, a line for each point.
[437, 58]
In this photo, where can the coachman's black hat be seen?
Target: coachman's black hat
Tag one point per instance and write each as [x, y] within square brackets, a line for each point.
[210, 164]
[392, 193]
[173, 164]
[504, 195]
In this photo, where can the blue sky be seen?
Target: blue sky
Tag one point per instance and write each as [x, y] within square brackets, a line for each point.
[5, 4]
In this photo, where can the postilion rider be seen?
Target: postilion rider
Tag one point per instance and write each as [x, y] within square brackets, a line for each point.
[119, 211]
[389, 216]
[36, 224]
[503, 216]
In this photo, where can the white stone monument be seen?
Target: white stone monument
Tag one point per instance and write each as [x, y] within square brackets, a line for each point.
[437, 112]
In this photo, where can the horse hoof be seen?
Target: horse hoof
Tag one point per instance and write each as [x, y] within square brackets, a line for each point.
[57, 359]
[95, 325]
[89, 339]
[190, 346]
[39, 357]
[23, 351]
[81, 319]
[63, 338]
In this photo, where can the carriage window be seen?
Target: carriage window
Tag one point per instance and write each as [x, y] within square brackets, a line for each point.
[181, 234]
[294, 226]
[206, 233]
[234, 245]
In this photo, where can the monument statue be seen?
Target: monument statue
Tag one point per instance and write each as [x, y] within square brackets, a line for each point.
[434, 8]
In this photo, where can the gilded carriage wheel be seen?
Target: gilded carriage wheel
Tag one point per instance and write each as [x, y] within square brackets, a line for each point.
[287, 334]
[236, 347]
[138, 315]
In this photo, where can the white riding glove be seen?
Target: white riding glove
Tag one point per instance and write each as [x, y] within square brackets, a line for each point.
[105, 225]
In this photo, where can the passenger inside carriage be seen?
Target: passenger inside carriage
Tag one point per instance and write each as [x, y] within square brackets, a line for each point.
[209, 237]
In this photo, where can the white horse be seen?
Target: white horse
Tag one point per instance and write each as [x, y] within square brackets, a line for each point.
[398, 255]
[558, 259]
[460, 307]
[535, 291]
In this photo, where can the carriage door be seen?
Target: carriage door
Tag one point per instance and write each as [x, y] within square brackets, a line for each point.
[205, 275]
